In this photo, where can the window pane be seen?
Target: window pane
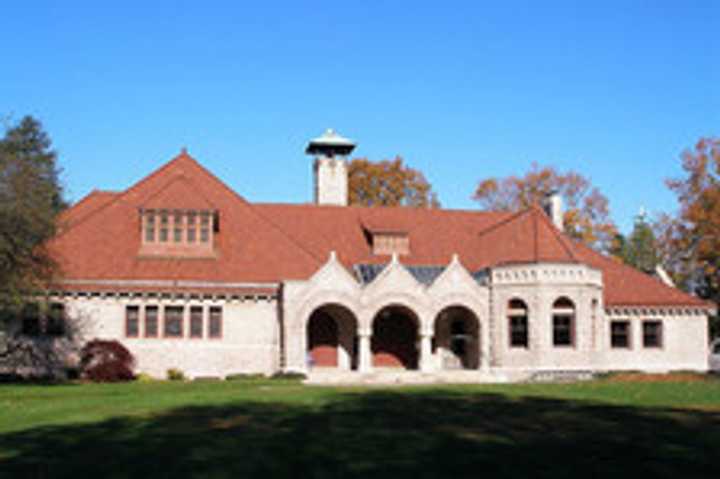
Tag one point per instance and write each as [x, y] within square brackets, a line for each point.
[31, 319]
[132, 321]
[173, 321]
[56, 320]
[562, 330]
[620, 334]
[196, 322]
[652, 334]
[151, 322]
[215, 327]
[518, 331]
[204, 234]
[150, 226]
[163, 226]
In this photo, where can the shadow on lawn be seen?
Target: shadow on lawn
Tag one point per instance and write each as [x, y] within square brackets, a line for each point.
[378, 434]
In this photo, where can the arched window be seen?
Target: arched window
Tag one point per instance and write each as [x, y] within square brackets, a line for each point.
[518, 323]
[563, 314]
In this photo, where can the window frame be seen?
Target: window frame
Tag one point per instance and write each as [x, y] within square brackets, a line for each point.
[564, 309]
[220, 319]
[658, 333]
[146, 320]
[628, 334]
[136, 309]
[193, 318]
[27, 318]
[168, 318]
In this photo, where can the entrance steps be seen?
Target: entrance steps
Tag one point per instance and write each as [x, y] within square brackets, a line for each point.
[319, 376]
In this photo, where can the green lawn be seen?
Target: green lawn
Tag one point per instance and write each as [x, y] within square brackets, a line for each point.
[283, 429]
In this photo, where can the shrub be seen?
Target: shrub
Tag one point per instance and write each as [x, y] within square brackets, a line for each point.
[244, 377]
[175, 375]
[297, 376]
[144, 378]
[106, 361]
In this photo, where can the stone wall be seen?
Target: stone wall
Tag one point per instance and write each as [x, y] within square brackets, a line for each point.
[249, 342]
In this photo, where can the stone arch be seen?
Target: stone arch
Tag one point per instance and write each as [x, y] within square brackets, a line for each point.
[395, 337]
[323, 297]
[418, 304]
[457, 338]
[331, 337]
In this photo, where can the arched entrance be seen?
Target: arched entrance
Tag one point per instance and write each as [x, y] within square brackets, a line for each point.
[331, 338]
[395, 338]
[457, 343]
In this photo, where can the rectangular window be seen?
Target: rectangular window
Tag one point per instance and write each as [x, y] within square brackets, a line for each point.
[31, 319]
[562, 330]
[55, 325]
[177, 227]
[620, 334]
[191, 232]
[173, 322]
[149, 226]
[652, 334]
[204, 227]
[132, 321]
[196, 322]
[164, 226]
[519, 331]
[151, 321]
[215, 326]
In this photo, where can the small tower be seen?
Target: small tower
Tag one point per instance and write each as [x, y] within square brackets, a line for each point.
[330, 167]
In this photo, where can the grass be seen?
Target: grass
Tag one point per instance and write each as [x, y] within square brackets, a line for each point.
[283, 429]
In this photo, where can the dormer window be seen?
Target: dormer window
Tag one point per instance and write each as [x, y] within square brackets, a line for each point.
[178, 232]
[388, 243]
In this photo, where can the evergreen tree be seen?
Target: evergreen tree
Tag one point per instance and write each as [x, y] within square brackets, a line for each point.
[30, 199]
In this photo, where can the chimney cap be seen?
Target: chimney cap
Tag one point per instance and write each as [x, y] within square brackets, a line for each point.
[330, 143]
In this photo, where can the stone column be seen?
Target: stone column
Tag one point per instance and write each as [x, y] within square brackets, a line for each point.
[485, 354]
[364, 351]
[426, 351]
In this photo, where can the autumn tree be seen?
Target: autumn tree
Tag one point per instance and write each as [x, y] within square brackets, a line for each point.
[388, 183]
[691, 239]
[586, 216]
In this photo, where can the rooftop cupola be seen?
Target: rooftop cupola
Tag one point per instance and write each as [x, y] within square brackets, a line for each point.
[330, 167]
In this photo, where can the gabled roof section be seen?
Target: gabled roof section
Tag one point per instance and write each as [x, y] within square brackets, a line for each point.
[525, 237]
[249, 248]
[179, 193]
[88, 205]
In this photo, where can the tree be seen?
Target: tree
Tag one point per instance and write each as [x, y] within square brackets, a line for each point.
[691, 239]
[30, 199]
[388, 183]
[586, 215]
[639, 249]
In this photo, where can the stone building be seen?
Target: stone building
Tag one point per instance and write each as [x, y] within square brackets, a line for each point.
[190, 275]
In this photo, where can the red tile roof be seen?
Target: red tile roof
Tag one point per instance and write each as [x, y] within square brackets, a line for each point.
[268, 243]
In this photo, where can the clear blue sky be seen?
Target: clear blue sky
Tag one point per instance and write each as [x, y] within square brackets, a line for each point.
[462, 90]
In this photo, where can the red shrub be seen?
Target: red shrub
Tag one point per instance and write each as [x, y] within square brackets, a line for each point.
[106, 361]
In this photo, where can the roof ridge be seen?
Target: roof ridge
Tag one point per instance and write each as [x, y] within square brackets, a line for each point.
[134, 187]
[559, 235]
[285, 234]
[503, 222]
[177, 178]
